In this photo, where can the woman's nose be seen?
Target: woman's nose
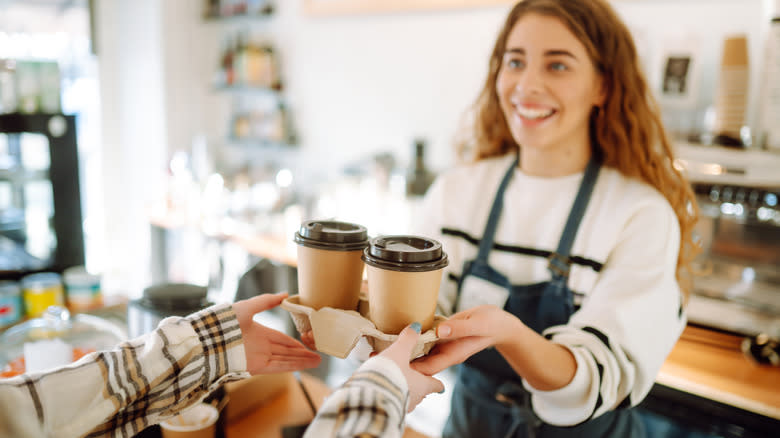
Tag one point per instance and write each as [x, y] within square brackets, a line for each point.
[529, 81]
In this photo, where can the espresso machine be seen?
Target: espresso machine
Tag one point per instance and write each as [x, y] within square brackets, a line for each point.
[737, 275]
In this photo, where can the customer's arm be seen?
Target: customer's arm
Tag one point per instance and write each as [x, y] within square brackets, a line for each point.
[145, 380]
[375, 399]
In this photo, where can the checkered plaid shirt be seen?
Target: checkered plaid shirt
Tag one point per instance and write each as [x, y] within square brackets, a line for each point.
[372, 403]
[117, 393]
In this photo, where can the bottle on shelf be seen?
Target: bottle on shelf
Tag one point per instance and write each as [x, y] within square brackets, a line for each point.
[418, 177]
[226, 75]
[240, 59]
[236, 8]
[211, 8]
[246, 62]
[272, 68]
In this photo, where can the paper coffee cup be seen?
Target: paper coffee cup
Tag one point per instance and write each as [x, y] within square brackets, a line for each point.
[198, 421]
[330, 268]
[404, 275]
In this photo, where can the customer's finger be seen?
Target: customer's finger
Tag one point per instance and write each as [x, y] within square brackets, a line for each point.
[307, 338]
[406, 340]
[434, 385]
[266, 301]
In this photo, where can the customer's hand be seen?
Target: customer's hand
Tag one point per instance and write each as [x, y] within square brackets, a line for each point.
[400, 352]
[307, 338]
[267, 350]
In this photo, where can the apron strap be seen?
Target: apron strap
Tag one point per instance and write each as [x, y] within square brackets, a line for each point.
[559, 262]
[488, 237]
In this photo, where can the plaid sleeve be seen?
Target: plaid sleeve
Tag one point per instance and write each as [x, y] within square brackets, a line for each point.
[119, 392]
[372, 403]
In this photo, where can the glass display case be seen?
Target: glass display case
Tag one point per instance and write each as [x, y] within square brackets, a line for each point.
[40, 208]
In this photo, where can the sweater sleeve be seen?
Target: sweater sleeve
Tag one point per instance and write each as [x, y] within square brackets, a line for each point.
[371, 404]
[626, 326]
[429, 223]
[119, 392]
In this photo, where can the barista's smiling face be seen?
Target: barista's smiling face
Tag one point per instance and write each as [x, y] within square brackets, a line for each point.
[547, 87]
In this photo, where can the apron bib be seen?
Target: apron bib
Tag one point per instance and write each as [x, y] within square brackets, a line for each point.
[489, 399]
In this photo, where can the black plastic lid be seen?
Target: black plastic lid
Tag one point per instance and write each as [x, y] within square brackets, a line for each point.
[179, 297]
[332, 235]
[405, 253]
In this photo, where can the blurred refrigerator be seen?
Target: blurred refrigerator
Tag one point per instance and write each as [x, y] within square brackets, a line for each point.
[40, 203]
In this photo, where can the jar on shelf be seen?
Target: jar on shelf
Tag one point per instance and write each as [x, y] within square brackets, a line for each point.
[82, 289]
[39, 291]
[11, 308]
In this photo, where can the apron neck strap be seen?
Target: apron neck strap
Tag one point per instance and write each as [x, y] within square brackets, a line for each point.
[486, 244]
[559, 262]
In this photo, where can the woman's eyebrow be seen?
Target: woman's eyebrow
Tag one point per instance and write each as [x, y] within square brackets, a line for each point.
[551, 52]
[560, 52]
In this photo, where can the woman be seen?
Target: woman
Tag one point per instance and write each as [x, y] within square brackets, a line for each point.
[569, 236]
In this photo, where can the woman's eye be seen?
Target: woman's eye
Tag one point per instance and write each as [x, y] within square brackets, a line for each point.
[515, 63]
[557, 66]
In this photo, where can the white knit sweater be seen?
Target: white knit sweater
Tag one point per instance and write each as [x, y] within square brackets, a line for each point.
[630, 315]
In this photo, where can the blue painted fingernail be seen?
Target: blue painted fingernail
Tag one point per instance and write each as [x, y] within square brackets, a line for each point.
[442, 391]
[416, 326]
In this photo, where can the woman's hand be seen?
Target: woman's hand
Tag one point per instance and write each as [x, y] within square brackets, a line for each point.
[465, 334]
[400, 352]
[267, 350]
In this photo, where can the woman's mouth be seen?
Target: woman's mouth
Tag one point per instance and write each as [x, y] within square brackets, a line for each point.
[534, 113]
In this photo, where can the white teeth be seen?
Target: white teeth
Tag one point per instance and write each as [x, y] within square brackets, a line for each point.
[533, 113]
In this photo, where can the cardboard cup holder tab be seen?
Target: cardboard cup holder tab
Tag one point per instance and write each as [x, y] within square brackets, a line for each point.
[337, 331]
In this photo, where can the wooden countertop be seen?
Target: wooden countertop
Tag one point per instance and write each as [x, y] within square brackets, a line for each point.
[288, 408]
[711, 365]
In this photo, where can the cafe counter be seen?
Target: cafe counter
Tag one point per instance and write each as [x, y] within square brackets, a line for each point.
[705, 364]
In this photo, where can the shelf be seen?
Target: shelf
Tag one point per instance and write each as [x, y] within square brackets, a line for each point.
[261, 142]
[23, 175]
[249, 89]
[264, 14]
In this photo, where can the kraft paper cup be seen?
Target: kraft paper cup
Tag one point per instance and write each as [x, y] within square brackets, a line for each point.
[199, 421]
[330, 267]
[404, 275]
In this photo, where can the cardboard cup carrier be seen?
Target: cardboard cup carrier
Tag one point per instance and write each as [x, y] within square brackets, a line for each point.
[404, 274]
[336, 331]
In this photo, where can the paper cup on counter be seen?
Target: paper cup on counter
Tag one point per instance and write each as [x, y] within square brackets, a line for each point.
[199, 421]
[404, 275]
[330, 268]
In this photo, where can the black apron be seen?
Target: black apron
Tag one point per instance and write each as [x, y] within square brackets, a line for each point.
[489, 399]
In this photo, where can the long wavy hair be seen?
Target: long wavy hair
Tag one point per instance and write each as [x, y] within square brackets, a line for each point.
[626, 131]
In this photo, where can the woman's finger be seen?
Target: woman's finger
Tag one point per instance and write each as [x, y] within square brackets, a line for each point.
[451, 329]
[448, 354]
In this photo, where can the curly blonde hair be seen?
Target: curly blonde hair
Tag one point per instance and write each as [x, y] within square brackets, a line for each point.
[626, 131]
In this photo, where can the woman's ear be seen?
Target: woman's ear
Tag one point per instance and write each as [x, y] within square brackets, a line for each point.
[601, 95]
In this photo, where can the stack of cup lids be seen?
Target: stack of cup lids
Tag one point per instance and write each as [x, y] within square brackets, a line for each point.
[732, 91]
